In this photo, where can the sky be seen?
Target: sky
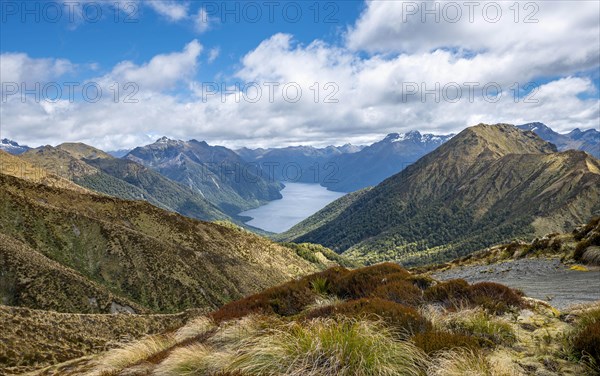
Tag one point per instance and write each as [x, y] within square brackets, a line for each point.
[117, 74]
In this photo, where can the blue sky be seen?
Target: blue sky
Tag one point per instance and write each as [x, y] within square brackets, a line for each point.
[363, 69]
[135, 31]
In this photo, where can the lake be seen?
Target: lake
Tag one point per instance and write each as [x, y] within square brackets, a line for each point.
[300, 201]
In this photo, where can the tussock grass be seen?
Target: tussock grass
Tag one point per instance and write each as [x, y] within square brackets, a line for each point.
[327, 347]
[470, 363]
[192, 360]
[478, 323]
[135, 352]
[591, 256]
[194, 328]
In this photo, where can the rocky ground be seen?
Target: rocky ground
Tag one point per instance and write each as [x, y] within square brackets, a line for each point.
[544, 279]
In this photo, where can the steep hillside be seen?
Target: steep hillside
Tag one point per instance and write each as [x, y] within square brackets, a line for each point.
[156, 259]
[98, 171]
[30, 279]
[217, 173]
[376, 162]
[486, 185]
[588, 141]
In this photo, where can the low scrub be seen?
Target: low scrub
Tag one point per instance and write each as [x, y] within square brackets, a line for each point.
[494, 297]
[451, 293]
[403, 292]
[457, 293]
[361, 283]
[585, 340]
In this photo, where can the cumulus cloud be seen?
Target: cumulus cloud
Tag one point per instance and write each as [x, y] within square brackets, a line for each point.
[19, 68]
[388, 76]
[178, 11]
[161, 72]
[172, 10]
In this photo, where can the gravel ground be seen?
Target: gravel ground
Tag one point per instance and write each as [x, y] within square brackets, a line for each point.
[543, 279]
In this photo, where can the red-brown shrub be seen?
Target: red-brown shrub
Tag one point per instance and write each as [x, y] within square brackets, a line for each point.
[450, 293]
[361, 283]
[402, 292]
[494, 297]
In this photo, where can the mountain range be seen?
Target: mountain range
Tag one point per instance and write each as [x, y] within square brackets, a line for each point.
[303, 164]
[216, 173]
[588, 141]
[98, 171]
[489, 183]
[12, 147]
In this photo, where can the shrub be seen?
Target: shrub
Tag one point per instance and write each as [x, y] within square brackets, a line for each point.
[591, 256]
[434, 341]
[328, 347]
[421, 281]
[451, 293]
[585, 341]
[494, 297]
[285, 300]
[361, 283]
[401, 318]
[402, 292]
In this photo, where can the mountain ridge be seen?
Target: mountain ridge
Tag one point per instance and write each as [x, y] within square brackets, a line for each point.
[465, 190]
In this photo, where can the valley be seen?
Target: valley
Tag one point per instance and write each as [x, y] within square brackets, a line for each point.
[299, 201]
[160, 263]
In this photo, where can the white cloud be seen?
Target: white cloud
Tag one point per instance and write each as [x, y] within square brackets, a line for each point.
[213, 54]
[559, 50]
[161, 72]
[19, 67]
[172, 10]
[179, 11]
[201, 21]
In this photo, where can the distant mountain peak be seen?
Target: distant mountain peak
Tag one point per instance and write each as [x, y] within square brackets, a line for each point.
[12, 147]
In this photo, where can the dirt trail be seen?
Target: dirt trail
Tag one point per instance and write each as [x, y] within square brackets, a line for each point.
[543, 279]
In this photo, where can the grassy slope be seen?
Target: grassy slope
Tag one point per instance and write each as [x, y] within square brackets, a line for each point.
[30, 279]
[155, 258]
